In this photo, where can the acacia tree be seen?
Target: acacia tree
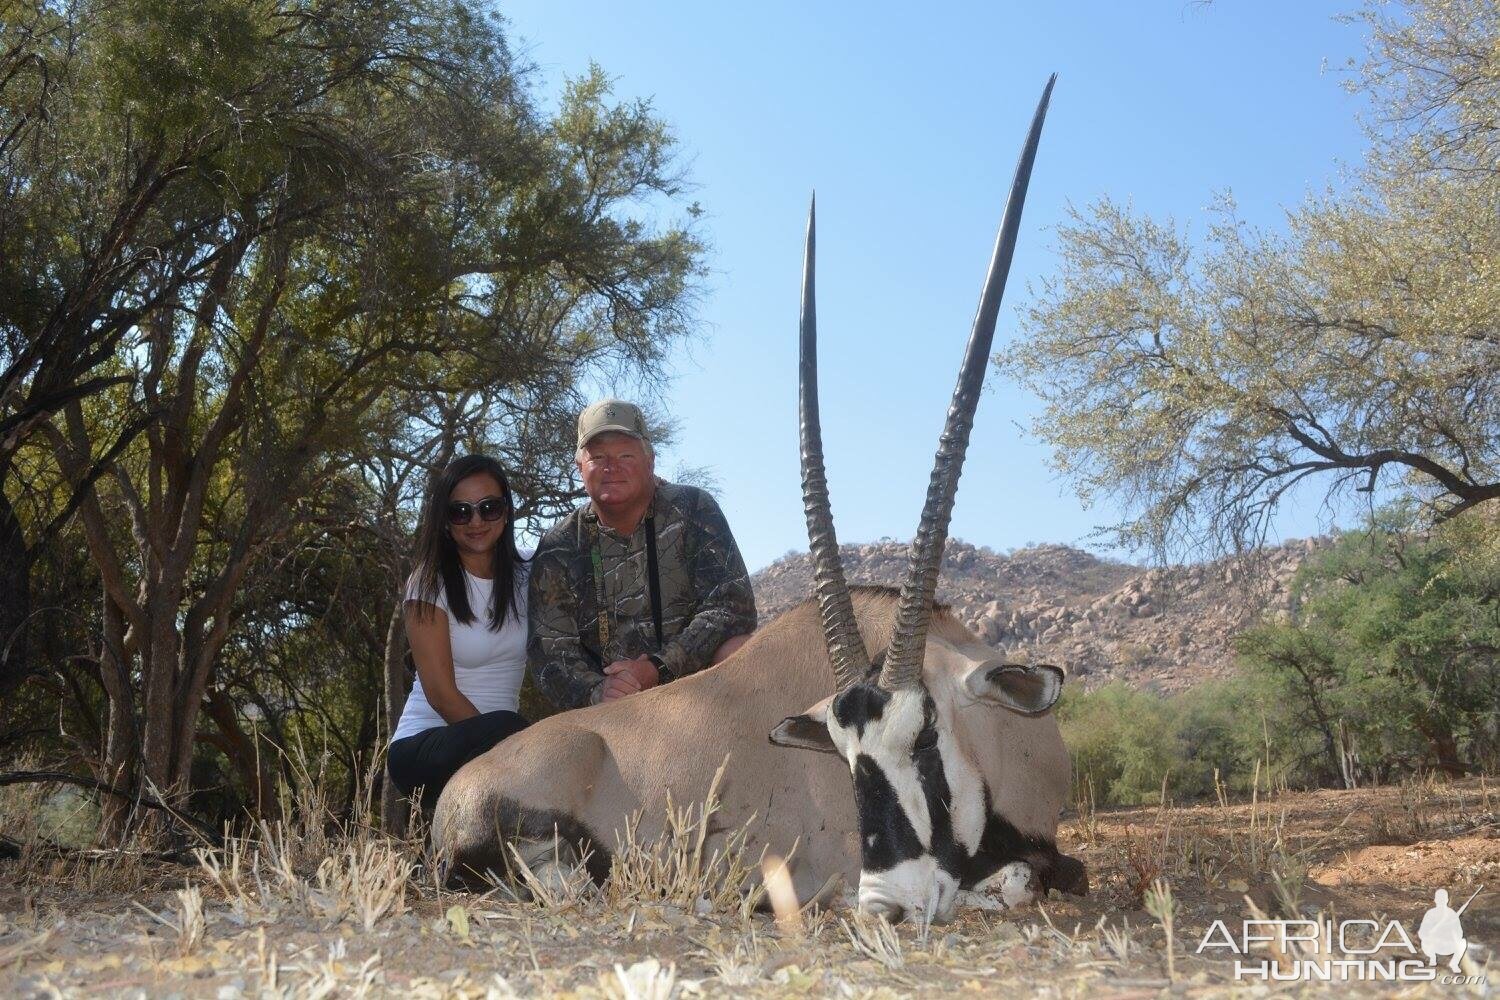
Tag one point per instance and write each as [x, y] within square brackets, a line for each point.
[447, 228]
[142, 145]
[1391, 649]
[1358, 352]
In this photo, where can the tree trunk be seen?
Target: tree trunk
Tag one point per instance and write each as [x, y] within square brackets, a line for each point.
[1445, 749]
[394, 809]
[159, 656]
[244, 753]
[122, 740]
[15, 593]
[1320, 717]
[1348, 758]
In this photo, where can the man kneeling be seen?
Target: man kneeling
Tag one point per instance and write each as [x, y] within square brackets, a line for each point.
[641, 585]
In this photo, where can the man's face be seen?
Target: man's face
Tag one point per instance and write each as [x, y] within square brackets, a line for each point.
[616, 470]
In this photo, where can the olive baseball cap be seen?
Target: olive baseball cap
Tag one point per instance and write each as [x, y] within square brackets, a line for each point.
[611, 415]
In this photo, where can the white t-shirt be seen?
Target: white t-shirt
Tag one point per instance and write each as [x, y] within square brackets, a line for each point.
[488, 666]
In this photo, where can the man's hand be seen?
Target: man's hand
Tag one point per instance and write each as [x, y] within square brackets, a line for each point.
[626, 677]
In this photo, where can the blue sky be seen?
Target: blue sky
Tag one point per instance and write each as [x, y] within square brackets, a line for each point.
[907, 121]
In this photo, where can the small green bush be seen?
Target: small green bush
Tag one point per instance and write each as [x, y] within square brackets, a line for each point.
[1122, 740]
[1127, 742]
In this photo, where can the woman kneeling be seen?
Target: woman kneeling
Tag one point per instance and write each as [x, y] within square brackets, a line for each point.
[465, 609]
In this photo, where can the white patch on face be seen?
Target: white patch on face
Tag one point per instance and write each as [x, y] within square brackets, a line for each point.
[966, 736]
[966, 807]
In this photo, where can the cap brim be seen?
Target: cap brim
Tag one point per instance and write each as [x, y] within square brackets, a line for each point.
[612, 428]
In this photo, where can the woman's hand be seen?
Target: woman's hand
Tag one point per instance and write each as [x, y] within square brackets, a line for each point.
[427, 631]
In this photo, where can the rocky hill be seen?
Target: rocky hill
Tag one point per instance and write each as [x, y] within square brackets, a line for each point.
[1160, 628]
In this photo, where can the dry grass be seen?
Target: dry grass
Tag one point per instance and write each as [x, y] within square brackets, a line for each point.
[874, 937]
[1159, 903]
[1428, 804]
[307, 906]
[682, 868]
[21, 807]
[687, 869]
[646, 980]
[560, 882]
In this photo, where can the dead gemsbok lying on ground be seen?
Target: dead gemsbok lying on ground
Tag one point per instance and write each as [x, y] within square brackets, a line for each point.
[959, 771]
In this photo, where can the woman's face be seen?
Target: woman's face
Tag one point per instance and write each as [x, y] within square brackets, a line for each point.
[478, 536]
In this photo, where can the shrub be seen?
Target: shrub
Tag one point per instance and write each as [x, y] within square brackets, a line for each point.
[1127, 743]
[1122, 740]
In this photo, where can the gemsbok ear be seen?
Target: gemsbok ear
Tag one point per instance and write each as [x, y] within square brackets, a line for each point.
[808, 731]
[1030, 690]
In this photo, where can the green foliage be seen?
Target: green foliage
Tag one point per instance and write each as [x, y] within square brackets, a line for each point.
[1389, 663]
[1393, 649]
[263, 265]
[1122, 740]
[1128, 744]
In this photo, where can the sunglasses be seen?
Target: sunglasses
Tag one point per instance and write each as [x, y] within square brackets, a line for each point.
[462, 512]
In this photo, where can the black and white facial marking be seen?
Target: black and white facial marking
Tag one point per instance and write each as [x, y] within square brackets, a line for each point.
[921, 805]
[926, 817]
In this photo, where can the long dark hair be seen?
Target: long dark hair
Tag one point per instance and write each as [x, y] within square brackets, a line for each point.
[437, 555]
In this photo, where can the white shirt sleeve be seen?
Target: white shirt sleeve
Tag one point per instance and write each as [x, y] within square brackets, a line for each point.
[414, 593]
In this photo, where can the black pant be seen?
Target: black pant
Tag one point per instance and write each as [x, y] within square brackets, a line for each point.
[428, 759]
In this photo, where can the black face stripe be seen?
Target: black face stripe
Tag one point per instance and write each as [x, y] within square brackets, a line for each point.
[859, 706]
[886, 836]
[1000, 842]
[933, 778]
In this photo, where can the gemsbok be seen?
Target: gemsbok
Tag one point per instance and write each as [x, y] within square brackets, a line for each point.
[959, 769]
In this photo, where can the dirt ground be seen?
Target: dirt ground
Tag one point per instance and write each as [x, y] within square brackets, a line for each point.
[126, 928]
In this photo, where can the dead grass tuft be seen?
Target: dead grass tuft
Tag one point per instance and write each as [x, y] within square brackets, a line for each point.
[366, 881]
[191, 924]
[874, 937]
[1160, 904]
[741, 964]
[1413, 816]
[647, 980]
[562, 883]
[688, 865]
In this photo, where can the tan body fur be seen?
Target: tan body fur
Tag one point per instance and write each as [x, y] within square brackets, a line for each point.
[598, 765]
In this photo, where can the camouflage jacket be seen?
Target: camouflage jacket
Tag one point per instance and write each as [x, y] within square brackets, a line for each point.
[705, 591]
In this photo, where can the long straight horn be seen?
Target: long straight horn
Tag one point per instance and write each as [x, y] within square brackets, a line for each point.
[903, 661]
[846, 650]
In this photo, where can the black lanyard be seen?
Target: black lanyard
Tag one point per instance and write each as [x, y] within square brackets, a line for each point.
[653, 577]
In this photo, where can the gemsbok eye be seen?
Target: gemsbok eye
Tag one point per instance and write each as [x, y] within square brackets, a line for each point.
[926, 740]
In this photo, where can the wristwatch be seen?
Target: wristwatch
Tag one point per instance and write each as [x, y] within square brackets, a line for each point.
[663, 673]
